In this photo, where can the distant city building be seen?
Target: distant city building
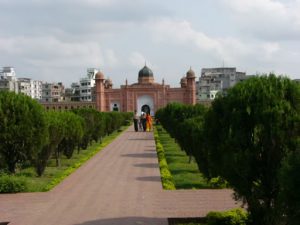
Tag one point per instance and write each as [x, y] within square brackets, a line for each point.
[86, 84]
[53, 92]
[72, 94]
[36, 89]
[8, 80]
[25, 86]
[215, 80]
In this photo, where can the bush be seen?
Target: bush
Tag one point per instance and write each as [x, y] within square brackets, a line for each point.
[231, 217]
[12, 184]
[166, 176]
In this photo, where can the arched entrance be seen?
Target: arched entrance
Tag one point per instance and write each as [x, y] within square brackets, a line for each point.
[145, 102]
[146, 109]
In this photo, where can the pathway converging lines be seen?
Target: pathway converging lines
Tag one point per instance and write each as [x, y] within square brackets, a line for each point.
[119, 185]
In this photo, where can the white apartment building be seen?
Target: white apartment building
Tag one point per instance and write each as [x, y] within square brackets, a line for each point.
[53, 92]
[8, 80]
[25, 86]
[215, 80]
[36, 89]
[32, 88]
[86, 84]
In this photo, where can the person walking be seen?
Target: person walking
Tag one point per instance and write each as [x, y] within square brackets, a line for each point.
[143, 121]
[149, 122]
[136, 121]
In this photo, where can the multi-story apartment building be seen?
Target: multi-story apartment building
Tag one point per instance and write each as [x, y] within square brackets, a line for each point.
[8, 80]
[36, 89]
[214, 80]
[53, 92]
[86, 84]
[25, 86]
[32, 88]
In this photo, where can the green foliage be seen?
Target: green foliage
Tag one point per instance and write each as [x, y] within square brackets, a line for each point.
[186, 174]
[231, 217]
[290, 182]
[12, 184]
[166, 177]
[250, 131]
[23, 129]
[250, 138]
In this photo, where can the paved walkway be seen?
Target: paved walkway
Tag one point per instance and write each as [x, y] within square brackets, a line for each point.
[120, 185]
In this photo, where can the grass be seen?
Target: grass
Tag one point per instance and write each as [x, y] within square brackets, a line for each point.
[186, 175]
[54, 175]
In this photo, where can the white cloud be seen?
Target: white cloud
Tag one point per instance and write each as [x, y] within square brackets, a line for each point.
[137, 59]
[111, 58]
[266, 19]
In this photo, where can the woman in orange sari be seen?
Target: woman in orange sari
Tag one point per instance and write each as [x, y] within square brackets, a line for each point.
[148, 122]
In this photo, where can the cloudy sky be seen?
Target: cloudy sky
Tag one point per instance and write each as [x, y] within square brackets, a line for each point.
[57, 40]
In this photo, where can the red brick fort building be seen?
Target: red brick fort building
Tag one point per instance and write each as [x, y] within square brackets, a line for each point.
[144, 96]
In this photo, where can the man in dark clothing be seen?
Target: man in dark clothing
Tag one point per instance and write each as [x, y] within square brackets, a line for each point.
[135, 121]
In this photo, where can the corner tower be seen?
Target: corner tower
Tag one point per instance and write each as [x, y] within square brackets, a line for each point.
[191, 87]
[100, 95]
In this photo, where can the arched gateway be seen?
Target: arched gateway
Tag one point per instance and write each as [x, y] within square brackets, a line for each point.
[143, 95]
[145, 104]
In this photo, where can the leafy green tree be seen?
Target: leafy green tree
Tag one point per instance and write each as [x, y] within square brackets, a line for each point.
[290, 192]
[22, 129]
[56, 132]
[72, 135]
[250, 132]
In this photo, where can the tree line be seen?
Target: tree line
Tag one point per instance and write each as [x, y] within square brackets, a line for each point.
[249, 137]
[31, 135]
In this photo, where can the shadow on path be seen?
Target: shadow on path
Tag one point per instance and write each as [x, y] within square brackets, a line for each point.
[140, 155]
[146, 165]
[149, 178]
[127, 221]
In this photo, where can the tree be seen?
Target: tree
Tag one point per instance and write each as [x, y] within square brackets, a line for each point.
[250, 132]
[23, 129]
[73, 132]
[56, 132]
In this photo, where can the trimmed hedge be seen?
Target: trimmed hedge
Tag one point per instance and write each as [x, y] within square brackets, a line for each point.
[231, 217]
[166, 176]
[12, 184]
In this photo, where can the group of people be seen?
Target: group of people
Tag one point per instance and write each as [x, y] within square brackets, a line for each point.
[142, 122]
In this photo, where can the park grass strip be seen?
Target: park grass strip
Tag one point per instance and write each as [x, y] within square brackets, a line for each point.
[186, 175]
[166, 176]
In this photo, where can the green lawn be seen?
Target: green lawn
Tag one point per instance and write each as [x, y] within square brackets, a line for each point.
[54, 175]
[186, 175]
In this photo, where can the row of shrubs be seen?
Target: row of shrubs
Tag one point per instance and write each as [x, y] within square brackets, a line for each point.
[250, 138]
[30, 136]
[166, 176]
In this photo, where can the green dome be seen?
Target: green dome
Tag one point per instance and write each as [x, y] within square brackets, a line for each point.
[145, 72]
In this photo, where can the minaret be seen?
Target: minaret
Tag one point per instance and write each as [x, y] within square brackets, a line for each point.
[191, 86]
[100, 95]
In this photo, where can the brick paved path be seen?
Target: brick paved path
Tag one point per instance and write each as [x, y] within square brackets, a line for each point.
[120, 185]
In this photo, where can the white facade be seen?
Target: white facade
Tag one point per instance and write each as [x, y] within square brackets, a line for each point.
[214, 80]
[36, 89]
[8, 80]
[32, 88]
[86, 84]
[25, 86]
